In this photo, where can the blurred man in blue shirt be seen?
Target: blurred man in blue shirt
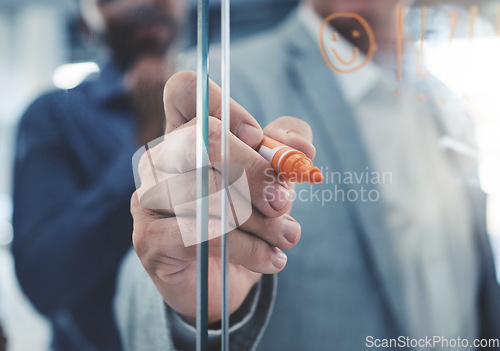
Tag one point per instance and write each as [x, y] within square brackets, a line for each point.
[73, 178]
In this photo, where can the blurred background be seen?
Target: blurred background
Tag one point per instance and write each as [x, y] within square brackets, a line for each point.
[41, 49]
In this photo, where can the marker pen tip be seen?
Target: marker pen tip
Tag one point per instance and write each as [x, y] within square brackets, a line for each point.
[315, 176]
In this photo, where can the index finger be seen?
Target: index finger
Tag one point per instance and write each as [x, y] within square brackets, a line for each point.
[180, 107]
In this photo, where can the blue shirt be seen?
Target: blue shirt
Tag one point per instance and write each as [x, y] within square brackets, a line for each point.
[72, 223]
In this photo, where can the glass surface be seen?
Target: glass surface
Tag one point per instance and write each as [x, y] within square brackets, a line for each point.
[436, 59]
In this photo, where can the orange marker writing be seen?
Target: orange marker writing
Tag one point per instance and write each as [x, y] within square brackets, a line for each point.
[292, 165]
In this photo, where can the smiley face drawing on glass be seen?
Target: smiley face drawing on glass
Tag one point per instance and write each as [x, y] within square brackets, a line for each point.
[361, 33]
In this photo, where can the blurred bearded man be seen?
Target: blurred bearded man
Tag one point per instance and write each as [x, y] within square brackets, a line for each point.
[73, 179]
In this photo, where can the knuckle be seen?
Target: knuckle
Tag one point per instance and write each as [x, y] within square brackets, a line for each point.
[153, 233]
[139, 213]
[150, 231]
[216, 110]
[271, 227]
[165, 275]
[264, 222]
[139, 242]
[188, 159]
[179, 81]
[177, 153]
[253, 250]
[214, 127]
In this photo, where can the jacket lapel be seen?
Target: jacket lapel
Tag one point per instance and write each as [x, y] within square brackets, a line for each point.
[322, 95]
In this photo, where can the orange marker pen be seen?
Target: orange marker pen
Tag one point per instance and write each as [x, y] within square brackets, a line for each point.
[292, 165]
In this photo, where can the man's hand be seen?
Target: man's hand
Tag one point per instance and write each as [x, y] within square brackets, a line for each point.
[255, 246]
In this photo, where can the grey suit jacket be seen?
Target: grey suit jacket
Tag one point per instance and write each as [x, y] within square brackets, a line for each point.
[342, 282]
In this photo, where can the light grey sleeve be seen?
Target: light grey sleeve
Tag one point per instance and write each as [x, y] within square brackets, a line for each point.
[139, 309]
[146, 323]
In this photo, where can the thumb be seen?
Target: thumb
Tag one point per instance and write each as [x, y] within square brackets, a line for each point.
[293, 132]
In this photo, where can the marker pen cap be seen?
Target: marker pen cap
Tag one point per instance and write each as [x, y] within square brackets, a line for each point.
[291, 164]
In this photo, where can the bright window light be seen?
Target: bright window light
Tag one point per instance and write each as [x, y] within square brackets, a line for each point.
[70, 75]
[470, 68]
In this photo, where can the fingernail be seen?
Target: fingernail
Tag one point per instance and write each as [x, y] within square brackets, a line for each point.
[290, 229]
[249, 134]
[278, 258]
[277, 197]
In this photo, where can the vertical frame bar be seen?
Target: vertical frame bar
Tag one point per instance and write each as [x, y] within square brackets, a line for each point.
[225, 117]
[202, 163]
